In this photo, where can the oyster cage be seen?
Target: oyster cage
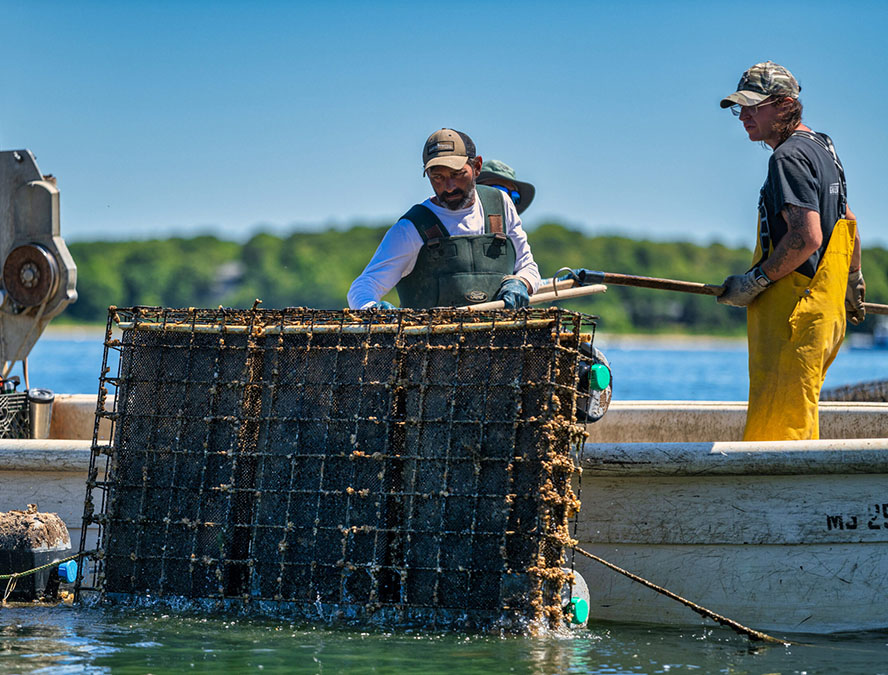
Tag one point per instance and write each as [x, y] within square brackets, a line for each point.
[408, 468]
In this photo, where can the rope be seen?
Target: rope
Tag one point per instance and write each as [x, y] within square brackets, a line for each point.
[10, 587]
[751, 633]
[15, 576]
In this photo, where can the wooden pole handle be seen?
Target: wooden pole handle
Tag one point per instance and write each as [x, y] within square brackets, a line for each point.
[668, 285]
[541, 296]
[873, 308]
[641, 282]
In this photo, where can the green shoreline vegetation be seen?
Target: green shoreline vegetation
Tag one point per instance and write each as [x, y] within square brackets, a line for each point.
[315, 269]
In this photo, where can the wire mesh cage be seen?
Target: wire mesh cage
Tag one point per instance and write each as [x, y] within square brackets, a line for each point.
[864, 392]
[404, 468]
[14, 416]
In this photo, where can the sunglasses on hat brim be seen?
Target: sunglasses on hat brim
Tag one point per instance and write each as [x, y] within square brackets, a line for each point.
[514, 194]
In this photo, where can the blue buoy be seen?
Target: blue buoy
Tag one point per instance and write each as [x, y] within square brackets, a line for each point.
[68, 571]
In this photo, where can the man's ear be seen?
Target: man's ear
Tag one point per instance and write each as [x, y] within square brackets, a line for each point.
[476, 165]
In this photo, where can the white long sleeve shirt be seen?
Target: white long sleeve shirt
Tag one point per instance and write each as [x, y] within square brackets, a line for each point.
[397, 252]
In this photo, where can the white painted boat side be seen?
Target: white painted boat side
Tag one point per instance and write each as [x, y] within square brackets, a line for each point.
[859, 455]
[50, 455]
[691, 421]
[746, 510]
[782, 536]
[779, 589]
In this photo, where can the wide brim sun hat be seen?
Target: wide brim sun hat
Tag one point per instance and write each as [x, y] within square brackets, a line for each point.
[494, 170]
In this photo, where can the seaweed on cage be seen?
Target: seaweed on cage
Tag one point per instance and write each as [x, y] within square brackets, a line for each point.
[410, 467]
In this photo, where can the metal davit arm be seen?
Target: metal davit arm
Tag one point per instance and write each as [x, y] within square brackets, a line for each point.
[38, 274]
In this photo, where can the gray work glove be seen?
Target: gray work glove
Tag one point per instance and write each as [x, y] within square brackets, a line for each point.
[513, 292]
[742, 289]
[854, 295]
[382, 304]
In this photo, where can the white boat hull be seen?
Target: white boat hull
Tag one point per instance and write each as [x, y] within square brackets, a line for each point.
[815, 588]
[788, 536]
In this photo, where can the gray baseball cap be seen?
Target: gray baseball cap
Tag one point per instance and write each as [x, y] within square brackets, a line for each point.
[449, 148]
[761, 81]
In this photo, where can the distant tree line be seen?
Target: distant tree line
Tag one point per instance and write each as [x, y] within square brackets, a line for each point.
[315, 269]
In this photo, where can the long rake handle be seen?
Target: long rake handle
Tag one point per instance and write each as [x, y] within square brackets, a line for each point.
[641, 282]
[672, 285]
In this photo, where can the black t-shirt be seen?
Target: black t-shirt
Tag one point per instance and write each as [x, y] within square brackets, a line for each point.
[803, 172]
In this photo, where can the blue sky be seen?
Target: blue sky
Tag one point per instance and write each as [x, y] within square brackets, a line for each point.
[228, 117]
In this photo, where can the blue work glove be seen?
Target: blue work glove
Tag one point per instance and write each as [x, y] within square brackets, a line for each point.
[382, 304]
[583, 276]
[742, 289]
[513, 293]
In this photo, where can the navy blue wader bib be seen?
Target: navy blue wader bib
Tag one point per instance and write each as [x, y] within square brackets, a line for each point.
[466, 269]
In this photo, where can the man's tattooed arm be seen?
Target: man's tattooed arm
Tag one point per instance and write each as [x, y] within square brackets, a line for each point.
[803, 237]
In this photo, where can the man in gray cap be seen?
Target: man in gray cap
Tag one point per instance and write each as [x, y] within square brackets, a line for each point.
[465, 245]
[806, 275]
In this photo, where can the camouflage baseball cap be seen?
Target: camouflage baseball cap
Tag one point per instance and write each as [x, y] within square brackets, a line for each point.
[761, 81]
[447, 148]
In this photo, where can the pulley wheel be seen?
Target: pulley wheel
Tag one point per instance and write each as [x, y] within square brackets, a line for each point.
[30, 275]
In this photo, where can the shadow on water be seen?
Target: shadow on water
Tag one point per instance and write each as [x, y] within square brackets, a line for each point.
[116, 640]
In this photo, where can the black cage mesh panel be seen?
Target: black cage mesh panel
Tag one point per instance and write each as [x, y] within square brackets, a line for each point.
[406, 467]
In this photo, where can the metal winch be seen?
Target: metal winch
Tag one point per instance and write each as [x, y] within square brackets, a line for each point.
[39, 274]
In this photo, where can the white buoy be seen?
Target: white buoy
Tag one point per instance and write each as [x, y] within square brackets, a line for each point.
[575, 599]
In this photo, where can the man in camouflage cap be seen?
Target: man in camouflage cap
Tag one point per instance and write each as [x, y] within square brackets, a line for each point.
[462, 246]
[760, 82]
[806, 275]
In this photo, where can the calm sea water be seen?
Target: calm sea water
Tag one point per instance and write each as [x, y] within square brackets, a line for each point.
[87, 640]
[113, 640]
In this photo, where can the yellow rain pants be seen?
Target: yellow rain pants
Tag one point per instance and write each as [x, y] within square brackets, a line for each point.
[794, 331]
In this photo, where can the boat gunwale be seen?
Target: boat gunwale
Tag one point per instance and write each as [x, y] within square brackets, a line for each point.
[728, 458]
